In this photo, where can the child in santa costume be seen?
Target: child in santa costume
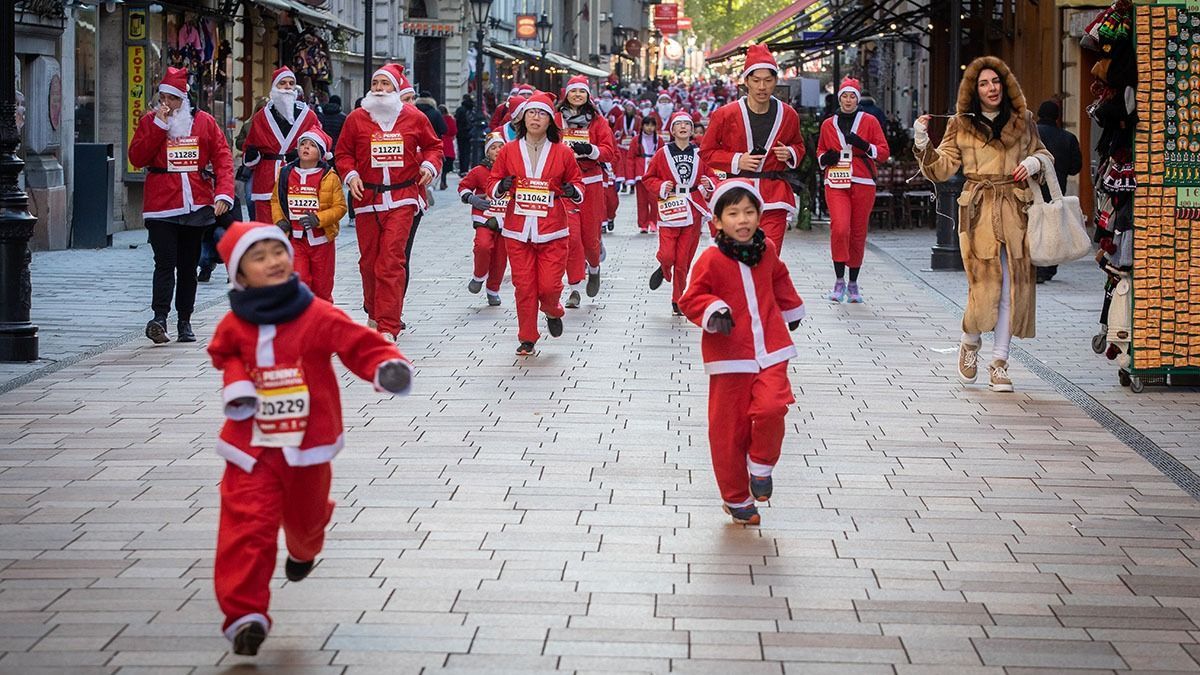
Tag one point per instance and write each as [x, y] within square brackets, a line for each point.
[678, 177]
[537, 172]
[586, 132]
[308, 204]
[487, 217]
[626, 134]
[614, 170]
[850, 146]
[645, 145]
[189, 184]
[283, 421]
[274, 132]
[758, 138]
[386, 152]
[740, 293]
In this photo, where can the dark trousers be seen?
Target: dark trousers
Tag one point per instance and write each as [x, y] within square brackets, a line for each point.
[176, 255]
[412, 237]
[209, 258]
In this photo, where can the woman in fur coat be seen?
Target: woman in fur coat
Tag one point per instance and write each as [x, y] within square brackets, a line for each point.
[993, 139]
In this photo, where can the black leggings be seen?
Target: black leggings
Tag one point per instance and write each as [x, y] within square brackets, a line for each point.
[408, 247]
[176, 254]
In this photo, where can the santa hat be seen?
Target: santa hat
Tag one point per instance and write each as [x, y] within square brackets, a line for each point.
[512, 107]
[757, 57]
[725, 186]
[577, 82]
[322, 140]
[405, 86]
[850, 84]
[526, 90]
[279, 74]
[174, 82]
[679, 116]
[239, 238]
[664, 94]
[604, 94]
[393, 72]
[493, 138]
[539, 101]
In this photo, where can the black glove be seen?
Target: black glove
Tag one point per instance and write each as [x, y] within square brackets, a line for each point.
[466, 197]
[505, 185]
[857, 141]
[758, 150]
[829, 158]
[793, 325]
[395, 376]
[250, 154]
[582, 148]
[285, 226]
[569, 191]
[479, 202]
[721, 322]
[492, 224]
[310, 221]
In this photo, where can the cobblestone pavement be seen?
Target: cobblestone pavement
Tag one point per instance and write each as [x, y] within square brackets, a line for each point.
[558, 514]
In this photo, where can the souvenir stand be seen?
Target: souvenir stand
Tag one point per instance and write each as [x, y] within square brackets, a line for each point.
[1149, 229]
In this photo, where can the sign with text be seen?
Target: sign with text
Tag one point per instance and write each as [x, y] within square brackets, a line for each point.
[666, 18]
[135, 73]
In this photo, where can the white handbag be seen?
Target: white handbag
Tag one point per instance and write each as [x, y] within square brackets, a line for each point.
[1056, 232]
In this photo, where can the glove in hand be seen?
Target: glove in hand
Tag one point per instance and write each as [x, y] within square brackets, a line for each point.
[310, 221]
[721, 322]
[285, 226]
[505, 185]
[395, 376]
[829, 158]
[858, 142]
[582, 148]
[793, 325]
[479, 202]
[569, 191]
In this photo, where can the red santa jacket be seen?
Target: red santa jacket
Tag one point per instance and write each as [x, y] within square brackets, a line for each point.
[695, 180]
[422, 147]
[272, 144]
[476, 183]
[641, 152]
[190, 186]
[599, 135]
[728, 137]
[556, 165]
[624, 135]
[862, 166]
[240, 348]
[761, 300]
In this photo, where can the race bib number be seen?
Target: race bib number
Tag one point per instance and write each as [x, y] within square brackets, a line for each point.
[674, 208]
[839, 176]
[624, 143]
[721, 175]
[282, 416]
[183, 154]
[498, 208]
[570, 136]
[532, 197]
[387, 150]
[302, 200]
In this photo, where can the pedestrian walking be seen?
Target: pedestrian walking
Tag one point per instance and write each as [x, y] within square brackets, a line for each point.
[1068, 160]
[388, 151]
[850, 146]
[538, 172]
[758, 138]
[487, 219]
[993, 140]
[273, 133]
[332, 119]
[189, 183]
[448, 140]
[467, 130]
[283, 422]
[308, 204]
[741, 294]
[680, 180]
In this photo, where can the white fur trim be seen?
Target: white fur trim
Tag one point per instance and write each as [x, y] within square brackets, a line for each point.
[257, 618]
[713, 308]
[161, 123]
[758, 470]
[794, 314]
[235, 456]
[253, 236]
[318, 454]
[239, 390]
[857, 93]
[578, 85]
[168, 89]
[287, 72]
[535, 105]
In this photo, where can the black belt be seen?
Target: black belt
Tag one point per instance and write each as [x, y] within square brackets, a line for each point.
[383, 187]
[271, 156]
[686, 190]
[203, 172]
[769, 175]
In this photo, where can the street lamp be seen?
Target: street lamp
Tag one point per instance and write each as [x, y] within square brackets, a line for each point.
[480, 9]
[543, 34]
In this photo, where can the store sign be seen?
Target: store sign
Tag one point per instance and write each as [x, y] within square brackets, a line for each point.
[526, 27]
[137, 25]
[672, 49]
[428, 29]
[684, 23]
[633, 47]
[666, 18]
[135, 69]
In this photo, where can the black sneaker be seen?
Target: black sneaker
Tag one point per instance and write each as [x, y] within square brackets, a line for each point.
[249, 638]
[593, 284]
[205, 274]
[156, 330]
[656, 279]
[760, 487]
[493, 300]
[675, 309]
[183, 332]
[474, 286]
[296, 570]
[744, 515]
[573, 300]
[525, 349]
[555, 325]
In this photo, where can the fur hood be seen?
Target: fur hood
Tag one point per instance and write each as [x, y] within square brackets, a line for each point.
[1017, 126]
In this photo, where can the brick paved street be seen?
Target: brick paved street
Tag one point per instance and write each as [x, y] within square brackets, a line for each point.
[558, 514]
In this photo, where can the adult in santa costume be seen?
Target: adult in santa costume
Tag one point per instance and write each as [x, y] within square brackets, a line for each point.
[679, 179]
[271, 140]
[507, 110]
[758, 138]
[537, 172]
[586, 132]
[189, 182]
[614, 170]
[849, 147]
[386, 152]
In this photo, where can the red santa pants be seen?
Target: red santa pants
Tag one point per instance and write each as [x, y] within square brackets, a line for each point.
[773, 223]
[611, 200]
[647, 206]
[490, 258]
[314, 264]
[254, 506]
[676, 248]
[537, 273]
[576, 261]
[745, 427]
[382, 238]
[849, 215]
[262, 211]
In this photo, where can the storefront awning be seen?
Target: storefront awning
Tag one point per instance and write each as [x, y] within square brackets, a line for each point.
[310, 13]
[1083, 4]
[502, 50]
[773, 21]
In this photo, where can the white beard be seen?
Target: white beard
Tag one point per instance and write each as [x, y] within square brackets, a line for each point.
[606, 105]
[665, 110]
[284, 103]
[179, 124]
[383, 107]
